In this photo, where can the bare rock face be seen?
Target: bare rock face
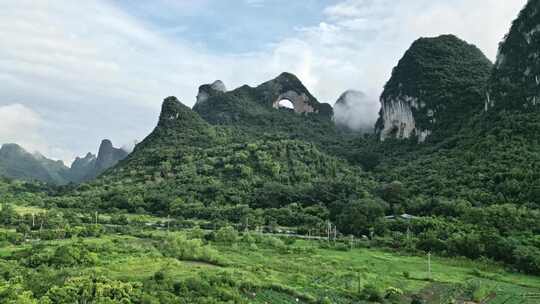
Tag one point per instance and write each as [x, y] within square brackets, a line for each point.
[207, 90]
[398, 118]
[437, 84]
[299, 101]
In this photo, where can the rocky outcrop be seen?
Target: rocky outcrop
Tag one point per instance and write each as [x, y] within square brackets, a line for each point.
[398, 119]
[436, 85]
[108, 156]
[208, 90]
[81, 167]
[288, 86]
[178, 127]
[257, 103]
[299, 102]
[515, 82]
[90, 166]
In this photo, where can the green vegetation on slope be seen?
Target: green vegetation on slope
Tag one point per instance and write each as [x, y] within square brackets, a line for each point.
[16, 163]
[237, 162]
[515, 84]
[444, 80]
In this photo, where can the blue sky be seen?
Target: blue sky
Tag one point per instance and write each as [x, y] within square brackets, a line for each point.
[75, 72]
[218, 25]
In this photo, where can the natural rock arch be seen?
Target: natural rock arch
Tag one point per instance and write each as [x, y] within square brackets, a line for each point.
[299, 102]
[285, 104]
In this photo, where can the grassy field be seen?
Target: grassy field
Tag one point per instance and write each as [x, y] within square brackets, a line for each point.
[306, 271]
[25, 209]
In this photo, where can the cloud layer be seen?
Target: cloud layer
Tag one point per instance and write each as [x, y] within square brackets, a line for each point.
[89, 70]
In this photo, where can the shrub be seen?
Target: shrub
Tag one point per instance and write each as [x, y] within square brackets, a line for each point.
[393, 293]
[83, 290]
[341, 247]
[476, 290]
[326, 300]
[371, 293]
[178, 246]
[196, 233]
[289, 240]
[119, 219]
[274, 242]
[248, 238]
[73, 255]
[527, 259]
[226, 235]
[159, 276]
[416, 300]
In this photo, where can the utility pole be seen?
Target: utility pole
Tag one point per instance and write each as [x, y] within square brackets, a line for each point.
[96, 217]
[168, 222]
[328, 228]
[429, 265]
[33, 220]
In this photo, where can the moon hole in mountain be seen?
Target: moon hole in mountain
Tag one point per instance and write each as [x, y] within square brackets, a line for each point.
[285, 103]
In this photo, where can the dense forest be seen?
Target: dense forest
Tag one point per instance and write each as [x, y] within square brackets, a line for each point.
[240, 201]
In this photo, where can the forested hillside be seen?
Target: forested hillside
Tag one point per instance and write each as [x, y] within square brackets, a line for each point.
[240, 200]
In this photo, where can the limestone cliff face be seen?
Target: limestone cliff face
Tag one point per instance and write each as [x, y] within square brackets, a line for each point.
[398, 119]
[515, 82]
[438, 83]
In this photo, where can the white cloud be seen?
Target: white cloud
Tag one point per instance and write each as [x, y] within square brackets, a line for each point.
[354, 111]
[362, 40]
[22, 125]
[18, 123]
[92, 71]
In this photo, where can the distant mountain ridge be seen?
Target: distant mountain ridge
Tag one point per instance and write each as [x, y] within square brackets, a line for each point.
[17, 163]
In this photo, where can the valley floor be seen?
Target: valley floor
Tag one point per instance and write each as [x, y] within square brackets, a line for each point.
[263, 269]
